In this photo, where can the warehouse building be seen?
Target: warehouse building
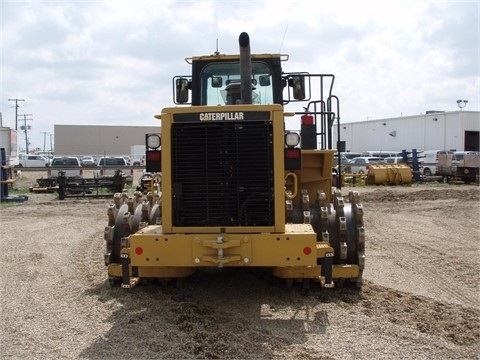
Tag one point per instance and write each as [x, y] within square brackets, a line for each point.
[99, 139]
[434, 130]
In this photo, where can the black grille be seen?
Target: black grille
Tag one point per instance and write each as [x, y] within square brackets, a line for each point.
[222, 173]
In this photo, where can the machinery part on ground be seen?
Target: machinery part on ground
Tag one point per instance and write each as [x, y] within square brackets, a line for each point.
[389, 174]
[45, 185]
[468, 174]
[149, 183]
[353, 179]
[232, 188]
[459, 166]
[84, 187]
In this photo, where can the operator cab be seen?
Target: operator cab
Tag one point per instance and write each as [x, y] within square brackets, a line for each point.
[216, 81]
[220, 84]
[258, 79]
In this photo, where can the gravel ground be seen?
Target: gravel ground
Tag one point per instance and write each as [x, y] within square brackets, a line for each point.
[420, 299]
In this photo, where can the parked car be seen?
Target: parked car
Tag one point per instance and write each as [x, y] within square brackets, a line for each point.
[359, 165]
[351, 155]
[393, 160]
[460, 155]
[28, 160]
[87, 161]
[69, 164]
[128, 160]
[138, 160]
[345, 160]
[109, 164]
[428, 161]
[381, 154]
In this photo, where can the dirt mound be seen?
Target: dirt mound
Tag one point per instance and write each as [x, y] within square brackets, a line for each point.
[467, 193]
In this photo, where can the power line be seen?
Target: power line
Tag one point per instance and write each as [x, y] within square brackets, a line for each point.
[16, 111]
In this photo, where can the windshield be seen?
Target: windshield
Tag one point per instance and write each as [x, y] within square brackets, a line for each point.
[221, 83]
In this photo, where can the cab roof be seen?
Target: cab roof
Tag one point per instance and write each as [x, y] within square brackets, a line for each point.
[217, 56]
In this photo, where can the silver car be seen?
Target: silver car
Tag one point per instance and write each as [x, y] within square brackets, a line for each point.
[359, 165]
[87, 161]
[393, 160]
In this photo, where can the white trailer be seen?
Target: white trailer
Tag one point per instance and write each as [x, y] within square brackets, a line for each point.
[137, 154]
[8, 141]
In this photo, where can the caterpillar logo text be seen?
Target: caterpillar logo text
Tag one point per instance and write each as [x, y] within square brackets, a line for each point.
[221, 116]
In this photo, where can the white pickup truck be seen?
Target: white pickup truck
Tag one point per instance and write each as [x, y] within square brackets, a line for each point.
[107, 166]
[30, 160]
[69, 164]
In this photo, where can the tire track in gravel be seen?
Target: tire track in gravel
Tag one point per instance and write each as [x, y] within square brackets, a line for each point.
[47, 317]
[87, 255]
[422, 261]
[452, 322]
[445, 285]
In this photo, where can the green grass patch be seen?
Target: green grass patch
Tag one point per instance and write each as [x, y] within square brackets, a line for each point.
[18, 191]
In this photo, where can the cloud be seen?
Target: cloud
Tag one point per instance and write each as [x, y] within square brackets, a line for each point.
[111, 62]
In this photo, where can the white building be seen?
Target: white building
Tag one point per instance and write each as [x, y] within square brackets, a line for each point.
[435, 130]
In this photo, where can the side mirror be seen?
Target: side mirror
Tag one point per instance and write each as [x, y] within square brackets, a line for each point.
[181, 87]
[298, 84]
[264, 80]
[217, 81]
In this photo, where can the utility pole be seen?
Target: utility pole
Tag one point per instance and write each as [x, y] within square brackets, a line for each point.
[51, 145]
[16, 111]
[44, 138]
[25, 129]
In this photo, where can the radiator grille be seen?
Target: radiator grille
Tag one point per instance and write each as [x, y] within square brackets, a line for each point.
[222, 173]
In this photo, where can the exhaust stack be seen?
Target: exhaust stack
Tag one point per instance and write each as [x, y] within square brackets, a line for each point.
[245, 69]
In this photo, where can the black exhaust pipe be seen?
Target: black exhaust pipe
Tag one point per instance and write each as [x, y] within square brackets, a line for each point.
[245, 69]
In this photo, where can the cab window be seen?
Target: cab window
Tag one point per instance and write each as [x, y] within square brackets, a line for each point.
[220, 83]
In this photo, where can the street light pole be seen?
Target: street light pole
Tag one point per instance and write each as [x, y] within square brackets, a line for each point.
[51, 145]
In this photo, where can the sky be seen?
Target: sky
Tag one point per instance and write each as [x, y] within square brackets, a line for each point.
[112, 62]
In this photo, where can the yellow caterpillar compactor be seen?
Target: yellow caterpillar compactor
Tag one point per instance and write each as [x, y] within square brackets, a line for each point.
[231, 187]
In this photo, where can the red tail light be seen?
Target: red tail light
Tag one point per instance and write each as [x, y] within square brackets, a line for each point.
[153, 161]
[293, 153]
[307, 119]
